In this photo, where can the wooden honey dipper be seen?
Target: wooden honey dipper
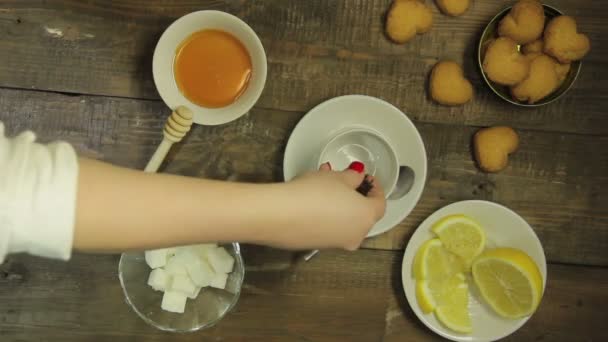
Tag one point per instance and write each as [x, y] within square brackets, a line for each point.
[176, 128]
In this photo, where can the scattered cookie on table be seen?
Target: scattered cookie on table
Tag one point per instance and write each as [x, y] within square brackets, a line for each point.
[492, 147]
[406, 18]
[448, 84]
[524, 23]
[541, 81]
[563, 41]
[453, 7]
[503, 63]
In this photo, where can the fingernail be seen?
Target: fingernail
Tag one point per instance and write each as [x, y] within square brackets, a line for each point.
[357, 166]
[329, 164]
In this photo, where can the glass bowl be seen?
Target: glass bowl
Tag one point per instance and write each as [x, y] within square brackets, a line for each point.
[503, 92]
[206, 310]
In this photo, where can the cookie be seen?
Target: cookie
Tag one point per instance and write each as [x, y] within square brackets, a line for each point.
[524, 23]
[406, 18]
[563, 41]
[562, 70]
[541, 81]
[453, 7]
[448, 84]
[536, 46]
[503, 63]
[492, 147]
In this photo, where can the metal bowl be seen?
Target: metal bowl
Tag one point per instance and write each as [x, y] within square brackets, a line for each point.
[490, 33]
[206, 310]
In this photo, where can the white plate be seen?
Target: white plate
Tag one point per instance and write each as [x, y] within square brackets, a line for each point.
[504, 228]
[352, 111]
[182, 28]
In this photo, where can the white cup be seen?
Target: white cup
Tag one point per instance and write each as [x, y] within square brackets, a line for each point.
[164, 57]
[368, 147]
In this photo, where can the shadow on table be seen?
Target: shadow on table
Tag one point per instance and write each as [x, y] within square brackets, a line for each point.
[407, 314]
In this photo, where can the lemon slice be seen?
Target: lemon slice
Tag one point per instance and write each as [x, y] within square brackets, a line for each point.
[425, 296]
[433, 261]
[434, 293]
[454, 314]
[509, 281]
[461, 235]
[449, 299]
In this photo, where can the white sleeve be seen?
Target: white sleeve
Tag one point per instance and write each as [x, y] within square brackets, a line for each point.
[37, 196]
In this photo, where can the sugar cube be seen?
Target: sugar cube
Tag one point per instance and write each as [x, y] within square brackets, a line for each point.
[175, 267]
[158, 279]
[194, 294]
[202, 248]
[156, 258]
[219, 281]
[171, 252]
[182, 283]
[174, 301]
[180, 249]
[200, 272]
[196, 268]
[220, 260]
[187, 255]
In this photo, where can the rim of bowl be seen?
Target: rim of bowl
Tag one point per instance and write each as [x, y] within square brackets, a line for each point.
[197, 109]
[237, 295]
[355, 129]
[492, 85]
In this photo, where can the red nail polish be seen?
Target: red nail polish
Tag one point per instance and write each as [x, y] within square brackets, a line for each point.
[357, 166]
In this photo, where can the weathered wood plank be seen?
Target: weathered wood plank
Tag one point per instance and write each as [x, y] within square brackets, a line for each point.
[338, 296]
[554, 181]
[316, 50]
[568, 311]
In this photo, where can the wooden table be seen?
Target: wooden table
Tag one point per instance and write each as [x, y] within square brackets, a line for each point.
[81, 71]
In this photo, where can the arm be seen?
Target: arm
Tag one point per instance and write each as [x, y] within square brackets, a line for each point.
[120, 209]
[51, 202]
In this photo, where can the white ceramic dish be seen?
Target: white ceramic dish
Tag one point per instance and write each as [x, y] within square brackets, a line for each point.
[358, 111]
[365, 146]
[504, 228]
[182, 28]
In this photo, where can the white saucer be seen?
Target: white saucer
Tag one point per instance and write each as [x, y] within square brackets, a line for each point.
[504, 228]
[352, 111]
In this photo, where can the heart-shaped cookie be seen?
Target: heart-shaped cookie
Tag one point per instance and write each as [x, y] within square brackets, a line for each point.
[524, 23]
[561, 69]
[453, 7]
[536, 46]
[503, 63]
[406, 18]
[448, 84]
[493, 146]
[541, 81]
[563, 41]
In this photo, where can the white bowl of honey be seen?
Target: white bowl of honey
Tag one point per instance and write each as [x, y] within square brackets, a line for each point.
[211, 62]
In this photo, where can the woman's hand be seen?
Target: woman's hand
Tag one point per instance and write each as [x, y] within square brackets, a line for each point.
[325, 211]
